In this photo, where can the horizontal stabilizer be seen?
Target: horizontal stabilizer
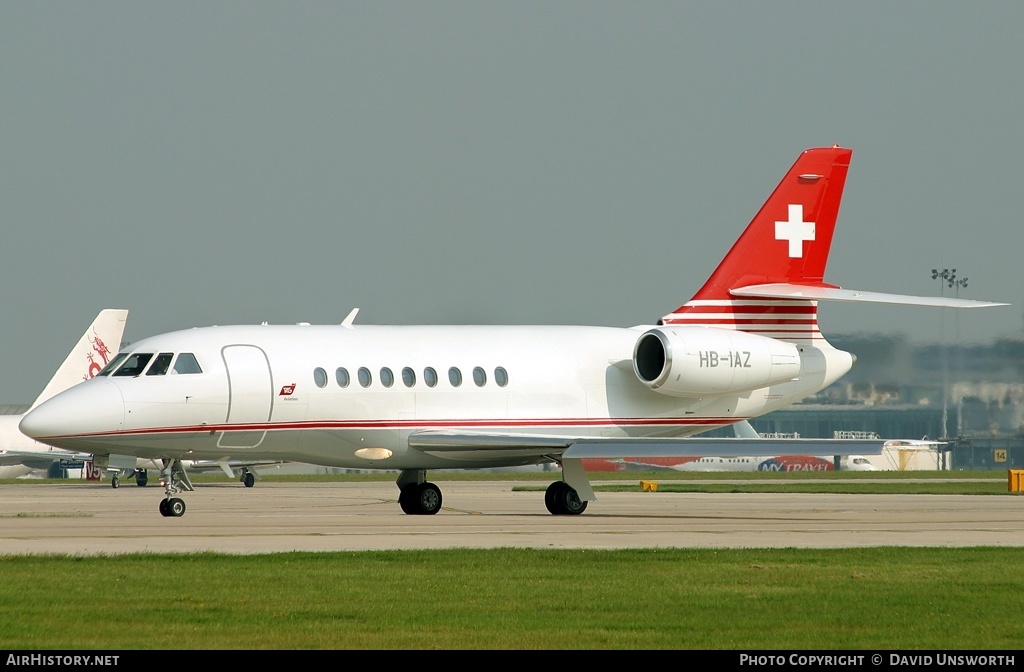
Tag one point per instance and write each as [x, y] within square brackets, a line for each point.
[782, 290]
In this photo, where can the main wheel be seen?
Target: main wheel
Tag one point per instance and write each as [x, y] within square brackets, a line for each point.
[571, 502]
[249, 480]
[563, 500]
[141, 478]
[426, 499]
[551, 496]
[115, 481]
[407, 498]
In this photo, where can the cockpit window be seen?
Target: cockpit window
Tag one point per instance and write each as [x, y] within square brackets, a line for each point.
[187, 363]
[160, 364]
[135, 364]
[112, 364]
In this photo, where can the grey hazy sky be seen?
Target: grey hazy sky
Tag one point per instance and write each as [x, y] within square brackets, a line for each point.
[488, 162]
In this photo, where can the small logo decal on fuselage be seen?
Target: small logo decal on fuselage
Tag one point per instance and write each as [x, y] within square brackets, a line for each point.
[287, 390]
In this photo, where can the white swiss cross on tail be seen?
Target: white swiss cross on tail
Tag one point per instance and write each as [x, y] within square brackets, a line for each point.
[796, 230]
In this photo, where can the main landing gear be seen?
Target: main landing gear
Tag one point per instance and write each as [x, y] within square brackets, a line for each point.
[562, 500]
[417, 497]
[141, 477]
[247, 478]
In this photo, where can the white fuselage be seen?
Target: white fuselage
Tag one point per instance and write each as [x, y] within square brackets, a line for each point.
[258, 395]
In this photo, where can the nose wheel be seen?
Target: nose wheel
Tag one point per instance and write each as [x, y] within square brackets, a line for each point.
[173, 507]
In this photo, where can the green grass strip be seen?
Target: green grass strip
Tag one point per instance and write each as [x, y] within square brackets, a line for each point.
[865, 598]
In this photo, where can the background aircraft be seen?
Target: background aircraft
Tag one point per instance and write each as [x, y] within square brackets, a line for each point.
[742, 429]
[415, 398]
[786, 463]
[246, 471]
[20, 455]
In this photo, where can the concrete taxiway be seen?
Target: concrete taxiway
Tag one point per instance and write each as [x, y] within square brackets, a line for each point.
[90, 519]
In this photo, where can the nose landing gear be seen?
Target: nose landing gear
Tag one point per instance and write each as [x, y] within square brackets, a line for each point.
[175, 480]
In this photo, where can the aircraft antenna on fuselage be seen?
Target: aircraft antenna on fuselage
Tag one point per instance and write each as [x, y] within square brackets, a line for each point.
[347, 322]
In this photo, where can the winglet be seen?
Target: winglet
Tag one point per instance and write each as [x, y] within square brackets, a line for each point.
[350, 318]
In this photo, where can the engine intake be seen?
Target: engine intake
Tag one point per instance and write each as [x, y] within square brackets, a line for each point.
[695, 361]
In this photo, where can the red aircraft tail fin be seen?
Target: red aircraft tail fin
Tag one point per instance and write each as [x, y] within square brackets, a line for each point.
[787, 241]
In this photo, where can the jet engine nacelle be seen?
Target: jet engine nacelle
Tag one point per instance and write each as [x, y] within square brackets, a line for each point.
[698, 361]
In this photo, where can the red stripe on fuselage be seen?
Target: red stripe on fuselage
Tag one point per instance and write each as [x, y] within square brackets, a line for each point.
[495, 425]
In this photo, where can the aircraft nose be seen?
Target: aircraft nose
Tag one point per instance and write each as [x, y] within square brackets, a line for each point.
[92, 407]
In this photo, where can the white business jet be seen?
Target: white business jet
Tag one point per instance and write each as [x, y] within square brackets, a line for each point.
[21, 455]
[417, 398]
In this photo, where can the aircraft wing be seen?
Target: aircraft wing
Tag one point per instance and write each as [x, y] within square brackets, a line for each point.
[39, 459]
[591, 447]
[782, 290]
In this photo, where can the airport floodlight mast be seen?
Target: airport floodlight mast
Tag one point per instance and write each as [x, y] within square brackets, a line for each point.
[947, 277]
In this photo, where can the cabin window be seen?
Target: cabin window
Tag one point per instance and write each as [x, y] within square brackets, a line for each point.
[479, 377]
[113, 364]
[161, 364]
[455, 376]
[430, 376]
[501, 376]
[135, 364]
[387, 379]
[320, 377]
[408, 377]
[186, 363]
[341, 375]
[364, 377]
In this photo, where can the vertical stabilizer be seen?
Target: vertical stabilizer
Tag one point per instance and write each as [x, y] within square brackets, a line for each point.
[98, 344]
[788, 241]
